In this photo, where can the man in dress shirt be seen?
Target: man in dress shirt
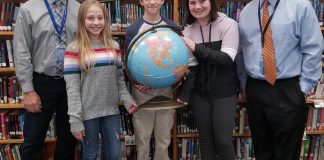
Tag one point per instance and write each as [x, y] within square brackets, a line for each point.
[277, 111]
[44, 92]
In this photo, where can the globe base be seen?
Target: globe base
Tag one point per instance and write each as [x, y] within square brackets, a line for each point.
[159, 103]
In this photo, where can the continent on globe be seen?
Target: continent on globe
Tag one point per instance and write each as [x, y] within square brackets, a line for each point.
[158, 49]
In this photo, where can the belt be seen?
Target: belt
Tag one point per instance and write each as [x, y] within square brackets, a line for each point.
[47, 76]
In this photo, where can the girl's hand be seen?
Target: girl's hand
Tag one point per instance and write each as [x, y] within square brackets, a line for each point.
[133, 108]
[190, 44]
[79, 135]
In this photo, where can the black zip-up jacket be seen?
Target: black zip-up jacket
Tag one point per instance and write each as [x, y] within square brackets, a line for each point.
[215, 75]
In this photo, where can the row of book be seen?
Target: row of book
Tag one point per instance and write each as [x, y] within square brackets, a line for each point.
[315, 120]
[312, 148]
[186, 122]
[10, 90]
[233, 10]
[318, 91]
[12, 123]
[319, 10]
[6, 53]
[8, 14]
[189, 149]
[126, 122]
[122, 16]
[10, 152]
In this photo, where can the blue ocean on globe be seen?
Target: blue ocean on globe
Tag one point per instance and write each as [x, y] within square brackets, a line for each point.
[157, 59]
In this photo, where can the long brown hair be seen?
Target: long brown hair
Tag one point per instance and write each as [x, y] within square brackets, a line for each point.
[83, 40]
[212, 14]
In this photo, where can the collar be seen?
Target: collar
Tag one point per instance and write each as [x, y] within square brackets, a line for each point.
[52, 1]
[270, 2]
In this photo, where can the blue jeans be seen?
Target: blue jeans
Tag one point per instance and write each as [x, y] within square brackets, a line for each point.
[109, 129]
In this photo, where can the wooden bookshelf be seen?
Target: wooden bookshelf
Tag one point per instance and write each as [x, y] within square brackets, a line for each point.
[316, 132]
[11, 33]
[118, 33]
[195, 135]
[187, 135]
[18, 141]
[7, 70]
[12, 106]
[6, 33]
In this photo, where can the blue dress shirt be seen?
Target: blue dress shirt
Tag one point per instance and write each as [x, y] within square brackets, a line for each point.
[297, 40]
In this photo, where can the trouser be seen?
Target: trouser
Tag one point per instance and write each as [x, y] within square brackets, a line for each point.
[109, 129]
[52, 93]
[215, 122]
[277, 116]
[161, 121]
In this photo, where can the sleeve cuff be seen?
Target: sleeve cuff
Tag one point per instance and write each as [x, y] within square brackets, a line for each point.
[198, 50]
[306, 87]
[27, 87]
[128, 103]
[243, 83]
[77, 126]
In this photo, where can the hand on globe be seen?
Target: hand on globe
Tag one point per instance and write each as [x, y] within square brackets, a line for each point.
[142, 88]
[190, 44]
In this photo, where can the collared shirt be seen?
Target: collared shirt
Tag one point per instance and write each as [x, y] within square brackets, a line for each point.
[297, 40]
[34, 40]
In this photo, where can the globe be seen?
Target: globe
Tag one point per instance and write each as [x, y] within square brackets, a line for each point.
[157, 58]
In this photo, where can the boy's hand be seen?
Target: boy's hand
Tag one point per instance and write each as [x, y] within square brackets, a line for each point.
[142, 88]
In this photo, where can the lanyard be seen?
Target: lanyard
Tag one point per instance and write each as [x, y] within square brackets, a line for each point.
[268, 23]
[202, 35]
[57, 29]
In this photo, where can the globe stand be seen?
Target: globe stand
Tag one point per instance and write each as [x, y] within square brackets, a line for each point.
[160, 103]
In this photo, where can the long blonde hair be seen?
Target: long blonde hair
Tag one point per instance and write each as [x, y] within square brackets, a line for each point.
[83, 41]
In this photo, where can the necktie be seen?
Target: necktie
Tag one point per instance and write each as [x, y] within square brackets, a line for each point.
[268, 49]
[60, 39]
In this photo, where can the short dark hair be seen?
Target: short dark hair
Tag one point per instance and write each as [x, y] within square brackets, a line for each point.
[212, 14]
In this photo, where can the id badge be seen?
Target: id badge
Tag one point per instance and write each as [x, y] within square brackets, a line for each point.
[59, 54]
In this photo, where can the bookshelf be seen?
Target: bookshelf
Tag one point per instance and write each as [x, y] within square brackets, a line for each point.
[7, 71]
[18, 141]
[175, 134]
[12, 106]
[10, 34]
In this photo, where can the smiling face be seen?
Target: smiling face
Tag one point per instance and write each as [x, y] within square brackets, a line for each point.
[94, 22]
[200, 9]
[152, 7]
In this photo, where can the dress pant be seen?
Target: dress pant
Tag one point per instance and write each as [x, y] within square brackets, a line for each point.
[160, 122]
[52, 93]
[277, 116]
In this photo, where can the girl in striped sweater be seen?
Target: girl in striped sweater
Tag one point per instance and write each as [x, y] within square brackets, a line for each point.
[93, 75]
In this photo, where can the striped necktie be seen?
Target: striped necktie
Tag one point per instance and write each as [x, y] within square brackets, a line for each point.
[268, 49]
[60, 39]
